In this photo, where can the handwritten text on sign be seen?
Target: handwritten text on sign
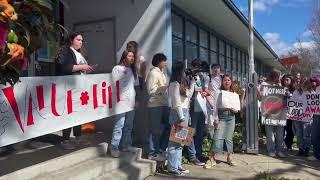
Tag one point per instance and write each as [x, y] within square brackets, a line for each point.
[41, 105]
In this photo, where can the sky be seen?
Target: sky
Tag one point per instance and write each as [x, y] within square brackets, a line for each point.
[282, 22]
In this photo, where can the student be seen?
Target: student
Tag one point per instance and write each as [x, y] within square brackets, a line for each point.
[224, 129]
[158, 110]
[70, 61]
[180, 92]
[124, 122]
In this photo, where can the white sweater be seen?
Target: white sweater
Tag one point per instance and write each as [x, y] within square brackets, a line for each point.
[179, 102]
[157, 85]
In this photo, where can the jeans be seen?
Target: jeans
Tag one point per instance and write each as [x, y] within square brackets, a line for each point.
[289, 133]
[76, 132]
[123, 125]
[159, 129]
[303, 133]
[315, 136]
[224, 133]
[175, 149]
[198, 123]
[274, 138]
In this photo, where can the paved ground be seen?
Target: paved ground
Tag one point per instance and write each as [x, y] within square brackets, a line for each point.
[249, 166]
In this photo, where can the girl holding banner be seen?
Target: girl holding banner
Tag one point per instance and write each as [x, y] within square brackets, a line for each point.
[274, 128]
[70, 61]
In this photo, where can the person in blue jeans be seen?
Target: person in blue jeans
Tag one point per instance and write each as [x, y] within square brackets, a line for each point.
[197, 115]
[158, 110]
[179, 92]
[124, 122]
[224, 129]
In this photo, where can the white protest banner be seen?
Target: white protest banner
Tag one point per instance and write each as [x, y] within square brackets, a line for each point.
[230, 100]
[41, 105]
[313, 102]
[297, 105]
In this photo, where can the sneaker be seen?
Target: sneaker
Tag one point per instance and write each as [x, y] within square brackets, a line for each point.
[312, 158]
[281, 154]
[157, 157]
[115, 153]
[176, 173]
[184, 170]
[66, 144]
[81, 142]
[197, 162]
[272, 154]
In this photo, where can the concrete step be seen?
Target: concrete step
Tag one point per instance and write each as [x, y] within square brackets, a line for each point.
[57, 164]
[128, 166]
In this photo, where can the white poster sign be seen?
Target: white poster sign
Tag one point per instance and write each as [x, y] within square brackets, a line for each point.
[41, 105]
[230, 100]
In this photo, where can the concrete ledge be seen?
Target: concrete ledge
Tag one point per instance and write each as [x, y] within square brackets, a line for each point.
[57, 164]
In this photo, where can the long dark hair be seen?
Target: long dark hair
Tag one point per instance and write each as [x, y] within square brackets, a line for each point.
[178, 76]
[123, 61]
[292, 84]
[67, 44]
[274, 76]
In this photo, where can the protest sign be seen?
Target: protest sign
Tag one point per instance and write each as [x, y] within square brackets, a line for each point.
[230, 100]
[181, 136]
[41, 105]
[297, 105]
[273, 105]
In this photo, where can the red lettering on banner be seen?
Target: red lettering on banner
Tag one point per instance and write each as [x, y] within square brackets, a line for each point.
[104, 93]
[312, 109]
[30, 114]
[118, 90]
[110, 97]
[69, 101]
[95, 100]
[53, 100]
[8, 92]
[40, 97]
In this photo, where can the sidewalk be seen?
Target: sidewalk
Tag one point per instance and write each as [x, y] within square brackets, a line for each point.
[249, 166]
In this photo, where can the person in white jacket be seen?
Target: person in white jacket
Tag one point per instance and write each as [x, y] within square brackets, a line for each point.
[180, 91]
[158, 110]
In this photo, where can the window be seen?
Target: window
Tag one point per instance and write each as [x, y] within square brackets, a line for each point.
[203, 38]
[204, 55]
[213, 57]
[191, 32]
[177, 25]
[234, 60]
[177, 49]
[213, 43]
[191, 51]
[221, 47]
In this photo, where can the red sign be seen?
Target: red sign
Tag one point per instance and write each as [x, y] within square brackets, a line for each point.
[290, 60]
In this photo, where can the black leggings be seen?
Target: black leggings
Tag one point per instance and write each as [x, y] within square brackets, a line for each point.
[76, 132]
[289, 135]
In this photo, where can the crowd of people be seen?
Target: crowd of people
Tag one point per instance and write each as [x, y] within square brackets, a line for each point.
[174, 103]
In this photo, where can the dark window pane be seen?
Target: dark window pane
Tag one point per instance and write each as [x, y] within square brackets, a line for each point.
[213, 43]
[177, 49]
[204, 54]
[191, 32]
[203, 38]
[222, 62]
[191, 51]
[228, 50]
[177, 27]
[214, 58]
[228, 65]
[221, 47]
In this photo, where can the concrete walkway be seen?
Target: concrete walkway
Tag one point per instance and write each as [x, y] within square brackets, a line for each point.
[249, 166]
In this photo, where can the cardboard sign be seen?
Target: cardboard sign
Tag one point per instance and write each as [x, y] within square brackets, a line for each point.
[297, 106]
[230, 100]
[273, 105]
[41, 105]
[182, 136]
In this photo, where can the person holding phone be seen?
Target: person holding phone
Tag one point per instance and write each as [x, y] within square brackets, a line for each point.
[70, 61]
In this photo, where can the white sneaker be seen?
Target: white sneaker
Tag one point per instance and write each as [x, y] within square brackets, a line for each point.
[281, 154]
[312, 158]
[157, 157]
[272, 154]
[115, 153]
[184, 170]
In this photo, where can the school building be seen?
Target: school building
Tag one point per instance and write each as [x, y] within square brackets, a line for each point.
[212, 30]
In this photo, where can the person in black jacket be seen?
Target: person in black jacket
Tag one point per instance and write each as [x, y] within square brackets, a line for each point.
[70, 61]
